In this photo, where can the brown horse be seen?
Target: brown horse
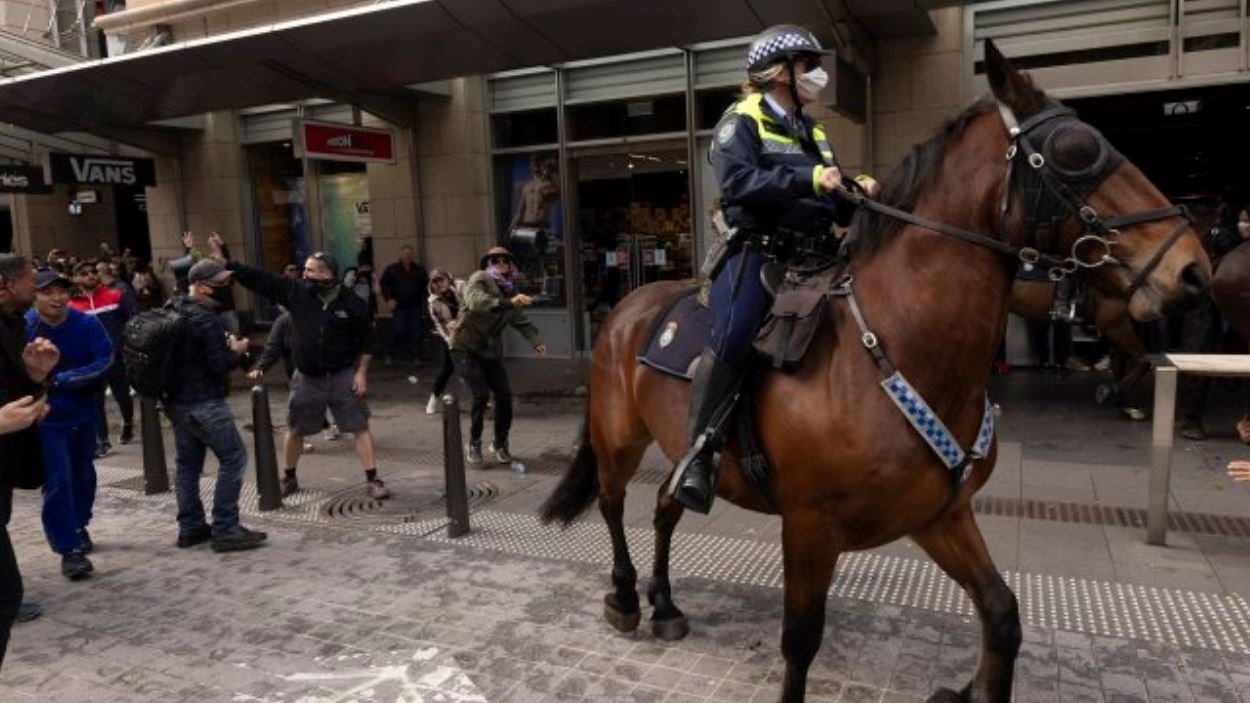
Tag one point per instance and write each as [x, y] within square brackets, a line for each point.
[847, 472]
[1033, 301]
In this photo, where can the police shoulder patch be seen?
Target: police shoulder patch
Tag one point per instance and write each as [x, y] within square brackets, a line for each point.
[725, 132]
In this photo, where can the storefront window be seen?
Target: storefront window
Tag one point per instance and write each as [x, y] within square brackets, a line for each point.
[528, 188]
[280, 210]
[710, 105]
[633, 213]
[660, 115]
[346, 226]
[528, 128]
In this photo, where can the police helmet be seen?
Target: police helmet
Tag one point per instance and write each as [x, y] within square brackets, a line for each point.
[782, 42]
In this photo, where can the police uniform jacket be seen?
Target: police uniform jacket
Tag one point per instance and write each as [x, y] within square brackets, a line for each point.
[769, 172]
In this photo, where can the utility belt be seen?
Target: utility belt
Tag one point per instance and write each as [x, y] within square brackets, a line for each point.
[779, 244]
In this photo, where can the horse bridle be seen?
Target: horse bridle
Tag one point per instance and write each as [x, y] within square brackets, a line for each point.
[1101, 233]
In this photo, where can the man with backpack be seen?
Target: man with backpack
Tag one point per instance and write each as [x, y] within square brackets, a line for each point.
[195, 400]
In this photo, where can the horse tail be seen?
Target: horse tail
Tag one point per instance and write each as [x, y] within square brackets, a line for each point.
[579, 485]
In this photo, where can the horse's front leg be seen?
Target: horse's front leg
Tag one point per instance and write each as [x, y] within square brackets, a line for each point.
[955, 543]
[667, 620]
[809, 561]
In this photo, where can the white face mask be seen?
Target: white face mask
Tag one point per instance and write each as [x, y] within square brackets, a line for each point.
[1244, 229]
[814, 80]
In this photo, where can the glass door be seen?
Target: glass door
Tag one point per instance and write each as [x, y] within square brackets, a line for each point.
[633, 216]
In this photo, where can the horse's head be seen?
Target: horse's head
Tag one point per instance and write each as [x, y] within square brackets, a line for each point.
[1070, 195]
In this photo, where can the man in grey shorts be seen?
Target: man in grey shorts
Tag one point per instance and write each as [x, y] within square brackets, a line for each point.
[332, 331]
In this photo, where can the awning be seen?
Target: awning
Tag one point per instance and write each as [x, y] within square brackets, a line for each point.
[365, 56]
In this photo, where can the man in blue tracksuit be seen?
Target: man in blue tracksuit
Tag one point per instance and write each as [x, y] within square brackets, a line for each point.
[68, 433]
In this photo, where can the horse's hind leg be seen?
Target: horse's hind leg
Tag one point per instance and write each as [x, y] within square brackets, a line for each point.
[955, 543]
[667, 620]
[620, 606]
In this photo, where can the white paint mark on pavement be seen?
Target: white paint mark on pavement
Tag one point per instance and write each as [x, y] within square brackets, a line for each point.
[415, 683]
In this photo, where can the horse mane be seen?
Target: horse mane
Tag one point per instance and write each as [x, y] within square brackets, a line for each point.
[871, 231]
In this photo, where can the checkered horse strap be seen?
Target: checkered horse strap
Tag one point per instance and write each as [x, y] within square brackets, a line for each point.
[913, 406]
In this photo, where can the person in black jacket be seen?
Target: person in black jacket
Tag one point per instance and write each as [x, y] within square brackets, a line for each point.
[23, 369]
[403, 287]
[778, 179]
[197, 409]
[331, 329]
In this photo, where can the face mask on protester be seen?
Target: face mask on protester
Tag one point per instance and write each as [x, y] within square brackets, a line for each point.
[814, 80]
[323, 286]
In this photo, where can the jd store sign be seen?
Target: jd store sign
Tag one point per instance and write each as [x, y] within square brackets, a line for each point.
[97, 170]
[22, 179]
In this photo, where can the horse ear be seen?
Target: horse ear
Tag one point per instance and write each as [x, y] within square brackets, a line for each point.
[1011, 87]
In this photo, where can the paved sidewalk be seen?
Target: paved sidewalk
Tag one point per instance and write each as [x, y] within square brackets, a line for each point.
[356, 601]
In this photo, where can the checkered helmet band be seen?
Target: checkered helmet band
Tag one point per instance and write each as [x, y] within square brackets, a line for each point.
[778, 43]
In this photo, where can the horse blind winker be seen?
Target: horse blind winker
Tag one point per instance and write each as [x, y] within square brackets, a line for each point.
[847, 470]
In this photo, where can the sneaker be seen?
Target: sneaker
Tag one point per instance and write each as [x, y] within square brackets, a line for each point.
[238, 539]
[29, 610]
[1103, 364]
[474, 455]
[87, 545]
[199, 535]
[128, 434]
[75, 565]
[377, 490]
[500, 450]
[332, 433]
[1075, 364]
[288, 485]
[431, 407]
[308, 447]
[103, 450]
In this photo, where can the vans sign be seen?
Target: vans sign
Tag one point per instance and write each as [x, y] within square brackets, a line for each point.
[341, 142]
[22, 179]
[92, 169]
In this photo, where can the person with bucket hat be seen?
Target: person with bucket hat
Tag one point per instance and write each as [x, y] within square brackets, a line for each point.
[490, 304]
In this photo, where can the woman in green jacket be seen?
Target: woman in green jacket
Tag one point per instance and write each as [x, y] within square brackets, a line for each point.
[491, 304]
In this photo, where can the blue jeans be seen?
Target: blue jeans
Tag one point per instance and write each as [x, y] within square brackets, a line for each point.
[737, 319]
[405, 337]
[198, 427]
[68, 482]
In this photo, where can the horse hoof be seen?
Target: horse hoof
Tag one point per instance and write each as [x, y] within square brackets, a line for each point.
[670, 630]
[622, 619]
[946, 695]
[1134, 414]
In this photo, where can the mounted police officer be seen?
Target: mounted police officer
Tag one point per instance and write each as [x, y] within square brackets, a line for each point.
[778, 179]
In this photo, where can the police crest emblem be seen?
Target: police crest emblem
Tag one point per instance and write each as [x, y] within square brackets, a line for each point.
[670, 332]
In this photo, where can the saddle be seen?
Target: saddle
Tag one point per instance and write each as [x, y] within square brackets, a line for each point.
[800, 308]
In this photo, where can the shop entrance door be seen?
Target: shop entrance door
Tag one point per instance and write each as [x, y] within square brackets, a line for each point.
[634, 224]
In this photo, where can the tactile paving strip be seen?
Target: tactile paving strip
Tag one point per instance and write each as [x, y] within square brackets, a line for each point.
[1178, 617]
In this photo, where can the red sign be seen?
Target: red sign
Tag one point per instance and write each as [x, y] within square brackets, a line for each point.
[340, 142]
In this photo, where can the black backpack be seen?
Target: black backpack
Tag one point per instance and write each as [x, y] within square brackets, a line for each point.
[151, 349]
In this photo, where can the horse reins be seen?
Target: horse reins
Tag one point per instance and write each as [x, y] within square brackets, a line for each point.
[1101, 232]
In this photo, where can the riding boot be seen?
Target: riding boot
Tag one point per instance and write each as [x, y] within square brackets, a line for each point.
[714, 381]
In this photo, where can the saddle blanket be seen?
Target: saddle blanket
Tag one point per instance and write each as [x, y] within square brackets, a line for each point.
[678, 337]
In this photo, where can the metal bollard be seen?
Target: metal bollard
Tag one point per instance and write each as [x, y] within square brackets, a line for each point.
[155, 472]
[453, 470]
[270, 496]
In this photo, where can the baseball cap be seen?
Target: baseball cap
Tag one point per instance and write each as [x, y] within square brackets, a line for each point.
[210, 272]
[50, 277]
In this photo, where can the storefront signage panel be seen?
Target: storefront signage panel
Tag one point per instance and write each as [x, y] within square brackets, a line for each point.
[102, 170]
[22, 179]
[339, 142]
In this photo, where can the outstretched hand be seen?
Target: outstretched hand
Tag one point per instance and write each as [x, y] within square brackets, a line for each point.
[188, 240]
[1239, 471]
[216, 248]
[40, 357]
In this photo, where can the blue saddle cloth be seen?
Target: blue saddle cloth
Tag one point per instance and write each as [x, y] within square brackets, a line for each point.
[678, 336]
